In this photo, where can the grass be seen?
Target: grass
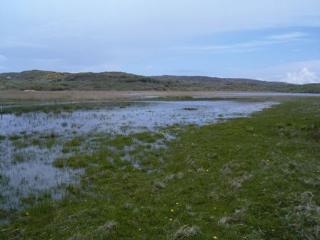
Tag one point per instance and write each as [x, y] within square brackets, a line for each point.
[26, 140]
[247, 178]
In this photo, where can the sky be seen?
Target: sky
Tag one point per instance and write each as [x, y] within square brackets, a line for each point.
[267, 39]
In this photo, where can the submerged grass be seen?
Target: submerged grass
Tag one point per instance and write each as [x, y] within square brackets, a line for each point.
[252, 178]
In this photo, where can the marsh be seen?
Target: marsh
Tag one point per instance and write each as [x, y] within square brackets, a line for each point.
[31, 141]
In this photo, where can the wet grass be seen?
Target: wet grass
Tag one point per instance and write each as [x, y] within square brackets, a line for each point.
[115, 151]
[247, 178]
[27, 140]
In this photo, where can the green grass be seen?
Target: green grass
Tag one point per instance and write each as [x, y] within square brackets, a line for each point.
[248, 178]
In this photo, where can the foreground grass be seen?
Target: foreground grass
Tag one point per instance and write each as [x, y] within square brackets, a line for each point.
[253, 178]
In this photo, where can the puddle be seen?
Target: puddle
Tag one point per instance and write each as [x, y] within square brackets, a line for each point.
[28, 170]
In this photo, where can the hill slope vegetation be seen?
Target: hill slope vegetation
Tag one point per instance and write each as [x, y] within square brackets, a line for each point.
[55, 81]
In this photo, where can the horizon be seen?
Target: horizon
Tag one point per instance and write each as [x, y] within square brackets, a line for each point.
[265, 40]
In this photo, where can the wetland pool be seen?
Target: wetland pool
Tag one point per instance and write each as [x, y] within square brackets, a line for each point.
[26, 168]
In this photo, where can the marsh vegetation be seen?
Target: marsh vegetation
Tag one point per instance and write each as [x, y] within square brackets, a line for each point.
[165, 170]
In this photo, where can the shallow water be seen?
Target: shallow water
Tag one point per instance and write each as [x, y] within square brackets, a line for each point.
[33, 172]
[143, 116]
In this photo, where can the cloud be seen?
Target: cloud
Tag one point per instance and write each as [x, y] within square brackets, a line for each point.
[290, 36]
[137, 33]
[303, 76]
[300, 72]
[142, 20]
[251, 45]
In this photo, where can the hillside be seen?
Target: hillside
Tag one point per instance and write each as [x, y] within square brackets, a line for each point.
[237, 84]
[55, 81]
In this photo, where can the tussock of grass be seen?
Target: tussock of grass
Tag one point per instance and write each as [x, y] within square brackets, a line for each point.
[254, 178]
[186, 232]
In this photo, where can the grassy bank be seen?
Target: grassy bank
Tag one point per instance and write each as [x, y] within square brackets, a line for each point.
[251, 178]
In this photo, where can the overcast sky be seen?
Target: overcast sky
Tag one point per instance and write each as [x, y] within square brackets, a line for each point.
[266, 39]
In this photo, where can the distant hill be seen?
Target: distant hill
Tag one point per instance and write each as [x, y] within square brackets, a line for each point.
[55, 81]
[237, 84]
